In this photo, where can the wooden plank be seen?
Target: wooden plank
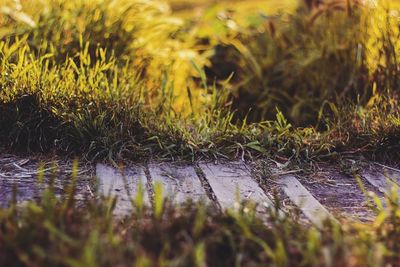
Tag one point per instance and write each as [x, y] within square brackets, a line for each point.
[22, 174]
[303, 199]
[227, 180]
[382, 178]
[388, 167]
[27, 189]
[375, 179]
[339, 193]
[121, 184]
[180, 183]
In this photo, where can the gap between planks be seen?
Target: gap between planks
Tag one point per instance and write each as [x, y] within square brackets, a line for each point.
[382, 178]
[123, 184]
[304, 200]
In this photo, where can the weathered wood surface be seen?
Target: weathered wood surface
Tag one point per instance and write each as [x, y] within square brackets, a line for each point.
[326, 191]
[381, 177]
[232, 182]
[303, 199]
[338, 192]
[180, 182]
[123, 184]
[20, 175]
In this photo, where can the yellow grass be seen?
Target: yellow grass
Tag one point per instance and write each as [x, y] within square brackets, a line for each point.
[193, 8]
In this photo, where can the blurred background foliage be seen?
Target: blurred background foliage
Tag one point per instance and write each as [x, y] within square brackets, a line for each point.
[297, 56]
[308, 60]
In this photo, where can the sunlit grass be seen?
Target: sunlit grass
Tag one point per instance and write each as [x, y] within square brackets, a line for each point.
[117, 79]
[189, 8]
[133, 79]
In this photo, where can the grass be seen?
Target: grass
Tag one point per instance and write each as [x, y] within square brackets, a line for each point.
[64, 231]
[248, 8]
[134, 79]
[130, 79]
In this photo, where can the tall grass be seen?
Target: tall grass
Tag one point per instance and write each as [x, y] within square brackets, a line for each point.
[142, 33]
[309, 63]
[128, 79]
[99, 109]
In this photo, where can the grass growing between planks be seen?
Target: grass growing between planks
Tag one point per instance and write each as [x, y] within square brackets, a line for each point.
[128, 79]
[64, 231]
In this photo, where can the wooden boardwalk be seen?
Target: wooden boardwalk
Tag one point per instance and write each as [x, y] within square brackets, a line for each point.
[327, 194]
[332, 195]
